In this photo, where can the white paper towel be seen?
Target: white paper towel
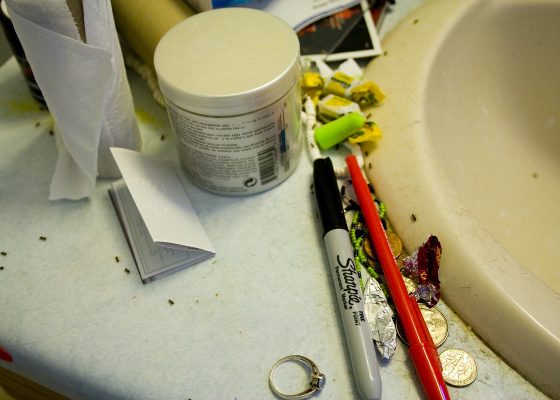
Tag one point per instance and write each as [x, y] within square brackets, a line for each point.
[84, 85]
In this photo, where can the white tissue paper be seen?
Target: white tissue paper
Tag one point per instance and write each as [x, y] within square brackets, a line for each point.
[84, 85]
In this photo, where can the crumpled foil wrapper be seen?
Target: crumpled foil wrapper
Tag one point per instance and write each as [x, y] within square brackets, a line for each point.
[423, 268]
[380, 318]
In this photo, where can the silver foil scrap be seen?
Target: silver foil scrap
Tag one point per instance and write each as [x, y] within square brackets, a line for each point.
[380, 318]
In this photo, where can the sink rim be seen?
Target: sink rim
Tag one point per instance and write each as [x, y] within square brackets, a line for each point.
[500, 283]
[486, 107]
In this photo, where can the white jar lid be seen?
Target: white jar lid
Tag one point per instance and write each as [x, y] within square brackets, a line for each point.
[227, 61]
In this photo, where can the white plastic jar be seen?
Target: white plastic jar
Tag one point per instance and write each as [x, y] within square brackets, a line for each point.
[230, 78]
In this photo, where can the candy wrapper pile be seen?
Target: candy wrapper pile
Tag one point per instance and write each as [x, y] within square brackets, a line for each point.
[333, 116]
[333, 102]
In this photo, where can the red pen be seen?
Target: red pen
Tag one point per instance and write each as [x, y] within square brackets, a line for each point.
[422, 349]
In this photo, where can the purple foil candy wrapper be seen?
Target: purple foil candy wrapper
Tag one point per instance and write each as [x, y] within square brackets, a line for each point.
[423, 268]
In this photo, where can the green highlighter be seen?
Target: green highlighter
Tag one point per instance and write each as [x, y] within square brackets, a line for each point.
[337, 131]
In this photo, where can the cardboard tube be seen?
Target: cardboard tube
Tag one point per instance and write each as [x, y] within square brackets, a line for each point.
[142, 23]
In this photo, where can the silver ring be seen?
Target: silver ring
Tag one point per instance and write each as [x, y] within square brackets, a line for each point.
[316, 379]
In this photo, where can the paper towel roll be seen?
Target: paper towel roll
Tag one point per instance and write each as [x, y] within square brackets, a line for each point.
[84, 85]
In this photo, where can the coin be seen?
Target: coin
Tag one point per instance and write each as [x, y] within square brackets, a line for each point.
[368, 248]
[459, 367]
[394, 242]
[436, 323]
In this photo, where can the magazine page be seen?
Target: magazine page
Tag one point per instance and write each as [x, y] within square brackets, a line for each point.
[297, 13]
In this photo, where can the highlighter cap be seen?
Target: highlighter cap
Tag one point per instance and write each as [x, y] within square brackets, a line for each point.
[339, 130]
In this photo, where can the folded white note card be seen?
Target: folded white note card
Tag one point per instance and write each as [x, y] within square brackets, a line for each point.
[162, 228]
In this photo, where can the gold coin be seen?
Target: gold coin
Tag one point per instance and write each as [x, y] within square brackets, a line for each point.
[435, 322]
[368, 248]
[458, 367]
[395, 243]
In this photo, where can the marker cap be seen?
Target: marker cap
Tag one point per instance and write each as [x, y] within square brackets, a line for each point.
[327, 195]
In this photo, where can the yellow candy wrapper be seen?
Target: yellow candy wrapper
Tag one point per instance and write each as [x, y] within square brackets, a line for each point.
[332, 107]
[312, 85]
[370, 132]
[367, 93]
[311, 80]
[340, 84]
[363, 93]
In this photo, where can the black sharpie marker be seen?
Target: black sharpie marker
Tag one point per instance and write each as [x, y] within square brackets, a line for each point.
[346, 282]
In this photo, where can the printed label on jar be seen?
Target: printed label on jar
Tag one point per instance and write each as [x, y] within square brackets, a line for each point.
[240, 154]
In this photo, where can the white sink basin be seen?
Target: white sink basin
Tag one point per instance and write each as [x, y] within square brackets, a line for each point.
[471, 148]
